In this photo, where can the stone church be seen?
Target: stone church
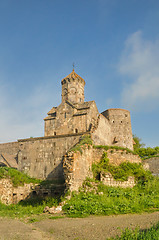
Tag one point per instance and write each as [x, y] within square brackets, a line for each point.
[42, 157]
[74, 115]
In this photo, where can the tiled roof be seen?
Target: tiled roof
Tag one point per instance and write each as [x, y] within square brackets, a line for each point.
[73, 75]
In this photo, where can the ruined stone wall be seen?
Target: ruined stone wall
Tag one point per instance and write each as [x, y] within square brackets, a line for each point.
[121, 132]
[78, 166]
[42, 157]
[108, 180]
[10, 194]
[116, 157]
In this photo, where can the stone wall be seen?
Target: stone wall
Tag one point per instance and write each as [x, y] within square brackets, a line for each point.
[78, 166]
[70, 118]
[10, 194]
[108, 180]
[101, 133]
[9, 148]
[120, 122]
[42, 157]
[153, 165]
[116, 157]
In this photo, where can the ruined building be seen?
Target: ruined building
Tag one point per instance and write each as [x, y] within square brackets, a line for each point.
[42, 157]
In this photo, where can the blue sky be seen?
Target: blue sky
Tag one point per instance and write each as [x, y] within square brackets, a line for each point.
[114, 45]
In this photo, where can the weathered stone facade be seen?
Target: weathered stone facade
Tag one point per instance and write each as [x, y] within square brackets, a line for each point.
[9, 194]
[78, 166]
[12, 195]
[42, 157]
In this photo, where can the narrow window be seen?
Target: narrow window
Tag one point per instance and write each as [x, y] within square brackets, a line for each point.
[65, 114]
[55, 133]
[76, 130]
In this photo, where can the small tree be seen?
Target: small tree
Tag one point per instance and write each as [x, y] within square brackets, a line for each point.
[138, 144]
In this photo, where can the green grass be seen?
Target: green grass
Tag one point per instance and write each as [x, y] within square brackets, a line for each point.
[147, 234]
[17, 178]
[27, 208]
[127, 150]
[84, 140]
[89, 201]
[56, 217]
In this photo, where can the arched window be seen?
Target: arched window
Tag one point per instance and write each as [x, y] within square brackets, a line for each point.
[76, 130]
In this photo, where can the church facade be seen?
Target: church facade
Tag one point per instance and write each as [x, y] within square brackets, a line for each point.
[64, 125]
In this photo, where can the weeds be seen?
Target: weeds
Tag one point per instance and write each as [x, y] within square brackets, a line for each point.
[85, 139]
[106, 148]
[17, 178]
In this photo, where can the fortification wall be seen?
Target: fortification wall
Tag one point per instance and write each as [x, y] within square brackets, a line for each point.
[101, 134]
[10, 148]
[120, 122]
[42, 157]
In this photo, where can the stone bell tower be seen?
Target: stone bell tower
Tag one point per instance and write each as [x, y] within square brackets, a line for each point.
[73, 88]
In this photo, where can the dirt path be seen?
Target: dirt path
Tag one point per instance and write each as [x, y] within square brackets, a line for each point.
[74, 229]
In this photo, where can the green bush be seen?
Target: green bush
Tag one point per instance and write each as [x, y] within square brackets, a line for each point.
[121, 172]
[148, 152]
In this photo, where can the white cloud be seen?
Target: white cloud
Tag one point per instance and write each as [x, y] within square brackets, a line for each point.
[140, 63]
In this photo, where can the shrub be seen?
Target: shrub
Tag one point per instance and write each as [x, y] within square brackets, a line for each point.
[121, 172]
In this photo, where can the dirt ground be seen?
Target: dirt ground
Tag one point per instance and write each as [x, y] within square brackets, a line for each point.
[90, 228]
